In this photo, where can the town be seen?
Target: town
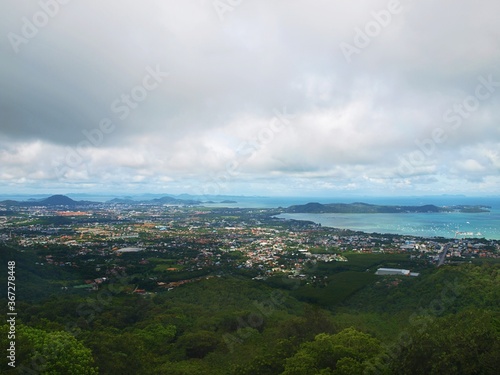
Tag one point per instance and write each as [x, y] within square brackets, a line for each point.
[162, 246]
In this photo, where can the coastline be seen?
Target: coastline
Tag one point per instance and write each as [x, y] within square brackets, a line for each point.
[428, 225]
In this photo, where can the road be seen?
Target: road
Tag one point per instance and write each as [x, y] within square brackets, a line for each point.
[442, 256]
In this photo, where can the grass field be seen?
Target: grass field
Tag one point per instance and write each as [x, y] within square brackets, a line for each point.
[486, 260]
[368, 261]
[362, 262]
[340, 287]
[161, 260]
[168, 267]
[163, 265]
[344, 279]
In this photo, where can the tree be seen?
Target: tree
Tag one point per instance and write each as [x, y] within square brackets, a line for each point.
[347, 352]
[51, 353]
[157, 336]
[465, 343]
[199, 344]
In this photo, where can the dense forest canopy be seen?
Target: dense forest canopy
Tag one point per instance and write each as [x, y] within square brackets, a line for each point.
[235, 325]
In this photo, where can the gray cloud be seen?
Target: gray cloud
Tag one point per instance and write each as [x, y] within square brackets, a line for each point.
[354, 122]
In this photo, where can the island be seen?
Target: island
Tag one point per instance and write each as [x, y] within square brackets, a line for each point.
[365, 208]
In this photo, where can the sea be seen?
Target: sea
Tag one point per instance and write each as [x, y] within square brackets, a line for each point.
[448, 225]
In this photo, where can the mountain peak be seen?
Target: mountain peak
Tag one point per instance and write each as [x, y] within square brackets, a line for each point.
[58, 200]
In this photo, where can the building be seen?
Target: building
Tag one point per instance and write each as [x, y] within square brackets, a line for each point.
[129, 250]
[395, 271]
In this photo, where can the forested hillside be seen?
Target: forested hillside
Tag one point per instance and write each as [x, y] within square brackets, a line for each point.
[444, 322]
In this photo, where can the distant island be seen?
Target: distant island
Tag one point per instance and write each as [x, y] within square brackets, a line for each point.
[313, 207]
[365, 208]
[63, 200]
[54, 200]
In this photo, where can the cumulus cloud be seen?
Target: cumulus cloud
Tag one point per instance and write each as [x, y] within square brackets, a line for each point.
[167, 95]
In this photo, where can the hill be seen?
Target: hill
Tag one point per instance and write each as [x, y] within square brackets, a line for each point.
[54, 200]
[63, 200]
[57, 200]
[358, 208]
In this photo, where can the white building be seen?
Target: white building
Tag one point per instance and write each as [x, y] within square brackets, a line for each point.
[395, 271]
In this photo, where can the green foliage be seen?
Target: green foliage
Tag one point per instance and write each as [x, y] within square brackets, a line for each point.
[340, 287]
[449, 289]
[156, 336]
[51, 353]
[199, 344]
[359, 262]
[117, 352]
[270, 361]
[235, 325]
[347, 352]
[466, 343]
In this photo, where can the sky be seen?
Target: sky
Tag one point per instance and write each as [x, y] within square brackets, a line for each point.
[250, 97]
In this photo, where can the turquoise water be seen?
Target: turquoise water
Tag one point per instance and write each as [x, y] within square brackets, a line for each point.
[482, 225]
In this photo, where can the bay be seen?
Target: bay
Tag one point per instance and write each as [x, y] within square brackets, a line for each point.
[478, 225]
